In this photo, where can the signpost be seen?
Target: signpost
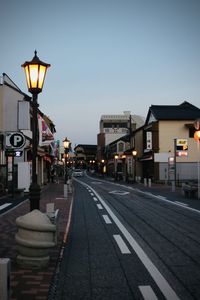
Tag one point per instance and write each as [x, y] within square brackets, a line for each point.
[15, 142]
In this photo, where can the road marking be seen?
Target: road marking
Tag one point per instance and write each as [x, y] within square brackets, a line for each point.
[122, 193]
[99, 206]
[107, 219]
[121, 244]
[91, 194]
[96, 182]
[5, 205]
[181, 203]
[95, 199]
[159, 279]
[161, 197]
[147, 292]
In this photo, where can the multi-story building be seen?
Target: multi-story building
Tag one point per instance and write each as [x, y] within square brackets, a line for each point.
[113, 127]
[165, 149]
[85, 155]
[169, 150]
[16, 116]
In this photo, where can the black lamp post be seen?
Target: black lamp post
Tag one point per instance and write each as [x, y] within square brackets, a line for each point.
[35, 71]
[197, 139]
[134, 152]
[66, 144]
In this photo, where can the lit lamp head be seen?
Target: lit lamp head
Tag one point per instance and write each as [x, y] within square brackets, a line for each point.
[134, 152]
[197, 135]
[35, 71]
[116, 156]
[66, 143]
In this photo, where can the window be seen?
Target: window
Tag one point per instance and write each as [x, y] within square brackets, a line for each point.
[191, 132]
[120, 147]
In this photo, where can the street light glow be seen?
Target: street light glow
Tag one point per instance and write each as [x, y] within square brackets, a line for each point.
[35, 71]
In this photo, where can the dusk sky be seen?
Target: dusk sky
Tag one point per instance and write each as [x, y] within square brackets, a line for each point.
[106, 56]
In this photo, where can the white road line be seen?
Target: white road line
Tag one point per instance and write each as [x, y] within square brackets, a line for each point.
[95, 199]
[5, 205]
[107, 219]
[91, 194]
[161, 197]
[121, 244]
[147, 292]
[181, 203]
[14, 207]
[121, 193]
[99, 206]
[159, 279]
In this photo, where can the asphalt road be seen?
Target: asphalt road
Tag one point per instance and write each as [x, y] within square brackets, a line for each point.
[125, 243]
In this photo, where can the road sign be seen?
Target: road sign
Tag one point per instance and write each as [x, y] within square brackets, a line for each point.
[181, 145]
[15, 140]
[12, 152]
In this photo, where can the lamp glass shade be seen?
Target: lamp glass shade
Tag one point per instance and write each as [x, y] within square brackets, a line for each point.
[35, 71]
[197, 135]
[66, 143]
[134, 152]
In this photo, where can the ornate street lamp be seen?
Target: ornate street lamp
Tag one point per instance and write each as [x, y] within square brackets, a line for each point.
[35, 71]
[197, 139]
[134, 153]
[66, 144]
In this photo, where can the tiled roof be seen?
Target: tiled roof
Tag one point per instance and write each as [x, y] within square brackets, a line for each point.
[184, 111]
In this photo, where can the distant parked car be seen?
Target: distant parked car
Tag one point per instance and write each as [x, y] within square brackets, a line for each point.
[78, 173]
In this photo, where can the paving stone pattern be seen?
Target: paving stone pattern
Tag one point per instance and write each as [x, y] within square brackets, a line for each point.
[26, 283]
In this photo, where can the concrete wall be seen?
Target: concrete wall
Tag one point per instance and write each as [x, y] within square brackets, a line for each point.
[168, 131]
[184, 172]
[10, 108]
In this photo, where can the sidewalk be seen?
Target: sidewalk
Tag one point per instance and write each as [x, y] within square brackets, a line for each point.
[27, 283]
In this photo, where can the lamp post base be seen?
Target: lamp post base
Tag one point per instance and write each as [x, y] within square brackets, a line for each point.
[34, 196]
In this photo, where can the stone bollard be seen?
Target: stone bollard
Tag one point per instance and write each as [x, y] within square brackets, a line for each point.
[149, 182]
[5, 269]
[35, 236]
[145, 181]
[69, 182]
[65, 190]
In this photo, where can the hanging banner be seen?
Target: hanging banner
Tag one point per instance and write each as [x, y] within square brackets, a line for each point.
[45, 135]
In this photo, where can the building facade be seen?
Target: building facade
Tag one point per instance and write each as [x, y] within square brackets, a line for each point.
[113, 127]
[169, 149]
[16, 117]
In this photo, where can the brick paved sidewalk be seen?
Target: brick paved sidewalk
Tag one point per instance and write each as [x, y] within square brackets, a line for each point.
[26, 283]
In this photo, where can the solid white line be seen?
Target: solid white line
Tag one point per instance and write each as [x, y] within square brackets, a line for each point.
[6, 212]
[121, 244]
[147, 292]
[99, 206]
[5, 205]
[107, 219]
[181, 203]
[159, 279]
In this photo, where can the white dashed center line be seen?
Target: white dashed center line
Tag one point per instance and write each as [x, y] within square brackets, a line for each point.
[107, 219]
[121, 244]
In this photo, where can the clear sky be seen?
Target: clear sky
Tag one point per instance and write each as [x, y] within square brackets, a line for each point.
[106, 56]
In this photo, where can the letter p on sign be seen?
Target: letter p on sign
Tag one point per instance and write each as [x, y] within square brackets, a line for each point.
[17, 140]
